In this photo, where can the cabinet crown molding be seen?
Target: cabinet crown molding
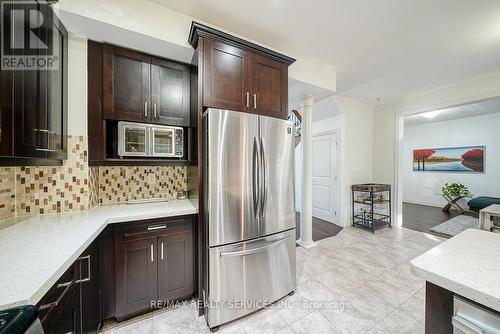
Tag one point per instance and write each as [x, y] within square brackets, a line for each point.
[198, 29]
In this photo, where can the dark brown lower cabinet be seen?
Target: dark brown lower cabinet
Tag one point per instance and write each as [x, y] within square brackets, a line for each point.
[153, 261]
[175, 266]
[72, 305]
[135, 275]
[90, 299]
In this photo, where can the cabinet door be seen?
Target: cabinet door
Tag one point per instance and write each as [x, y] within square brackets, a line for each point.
[89, 289]
[6, 105]
[269, 87]
[135, 275]
[30, 117]
[60, 307]
[226, 76]
[126, 84]
[68, 318]
[175, 266]
[170, 93]
[56, 90]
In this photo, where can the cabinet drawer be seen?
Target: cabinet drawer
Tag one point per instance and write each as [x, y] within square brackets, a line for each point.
[50, 305]
[153, 227]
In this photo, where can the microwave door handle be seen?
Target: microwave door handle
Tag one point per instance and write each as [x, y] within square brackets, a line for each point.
[151, 139]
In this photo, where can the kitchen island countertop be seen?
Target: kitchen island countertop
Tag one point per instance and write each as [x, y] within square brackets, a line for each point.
[467, 265]
[36, 251]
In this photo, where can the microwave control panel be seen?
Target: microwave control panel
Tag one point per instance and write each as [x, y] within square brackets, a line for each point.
[179, 143]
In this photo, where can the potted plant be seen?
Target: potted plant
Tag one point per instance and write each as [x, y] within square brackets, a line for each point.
[454, 190]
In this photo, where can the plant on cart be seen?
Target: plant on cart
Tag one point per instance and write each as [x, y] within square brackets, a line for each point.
[455, 189]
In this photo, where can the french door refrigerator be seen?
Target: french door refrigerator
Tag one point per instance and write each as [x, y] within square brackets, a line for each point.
[250, 213]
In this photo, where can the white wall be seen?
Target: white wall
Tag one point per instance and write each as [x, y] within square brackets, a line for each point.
[384, 116]
[354, 123]
[77, 86]
[425, 187]
[385, 146]
[160, 22]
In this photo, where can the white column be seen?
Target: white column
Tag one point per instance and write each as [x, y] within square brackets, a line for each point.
[306, 210]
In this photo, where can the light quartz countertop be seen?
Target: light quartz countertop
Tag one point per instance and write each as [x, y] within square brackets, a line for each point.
[467, 265]
[36, 251]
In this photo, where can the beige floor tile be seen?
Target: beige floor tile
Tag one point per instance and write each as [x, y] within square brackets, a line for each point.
[376, 330]
[235, 327]
[314, 323]
[314, 291]
[368, 303]
[181, 317]
[415, 308]
[400, 323]
[264, 321]
[349, 320]
[292, 308]
[387, 292]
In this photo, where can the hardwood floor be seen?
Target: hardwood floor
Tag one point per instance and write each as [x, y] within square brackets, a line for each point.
[320, 229]
[422, 217]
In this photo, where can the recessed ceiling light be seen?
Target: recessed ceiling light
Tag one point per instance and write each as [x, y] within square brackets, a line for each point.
[431, 114]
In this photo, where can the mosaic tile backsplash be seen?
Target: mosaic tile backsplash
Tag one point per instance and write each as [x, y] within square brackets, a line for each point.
[41, 190]
[118, 184]
[75, 186]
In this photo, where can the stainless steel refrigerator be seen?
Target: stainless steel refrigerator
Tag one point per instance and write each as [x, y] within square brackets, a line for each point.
[250, 213]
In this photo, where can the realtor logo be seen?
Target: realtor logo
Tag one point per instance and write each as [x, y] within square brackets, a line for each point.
[27, 36]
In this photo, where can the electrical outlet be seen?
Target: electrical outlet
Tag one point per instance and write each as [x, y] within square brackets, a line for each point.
[151, 178]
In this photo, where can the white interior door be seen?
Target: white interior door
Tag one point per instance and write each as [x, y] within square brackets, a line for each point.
[324, 178]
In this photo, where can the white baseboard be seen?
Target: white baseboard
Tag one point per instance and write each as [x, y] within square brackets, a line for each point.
[437, 205]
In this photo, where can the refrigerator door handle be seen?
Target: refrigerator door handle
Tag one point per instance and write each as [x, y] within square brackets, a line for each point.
[256, 249]
[263, 178]
[256, 178]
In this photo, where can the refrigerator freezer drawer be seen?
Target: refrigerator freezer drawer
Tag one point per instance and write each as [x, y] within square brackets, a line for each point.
[244, 277]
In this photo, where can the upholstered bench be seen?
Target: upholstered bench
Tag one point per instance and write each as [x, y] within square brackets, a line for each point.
[482, 202]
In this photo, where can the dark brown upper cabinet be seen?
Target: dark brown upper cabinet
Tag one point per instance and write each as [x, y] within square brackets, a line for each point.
[6, 112]
[140, 88]
[226, 76]
[33, 115]
[239, 75]
[126, 84]
[170, 92]
[269, 87]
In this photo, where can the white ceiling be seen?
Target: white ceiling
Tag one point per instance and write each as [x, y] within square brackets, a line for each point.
[297, 90]
[383, 49]
[484, 107]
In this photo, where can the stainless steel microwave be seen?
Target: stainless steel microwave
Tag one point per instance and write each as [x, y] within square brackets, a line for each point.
[149, 140]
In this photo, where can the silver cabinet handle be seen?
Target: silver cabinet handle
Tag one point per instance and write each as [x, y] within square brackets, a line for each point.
[254, 250]
[67, 285]
[254, 101]
[161, 250]
[465, 326]
[152, 253]
[154, 110]
[247, 94]
[146, 109]
[48, 133]
[88, 268]
[157, 227]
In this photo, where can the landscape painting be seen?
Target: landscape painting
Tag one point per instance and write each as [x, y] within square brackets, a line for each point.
[469, 159]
